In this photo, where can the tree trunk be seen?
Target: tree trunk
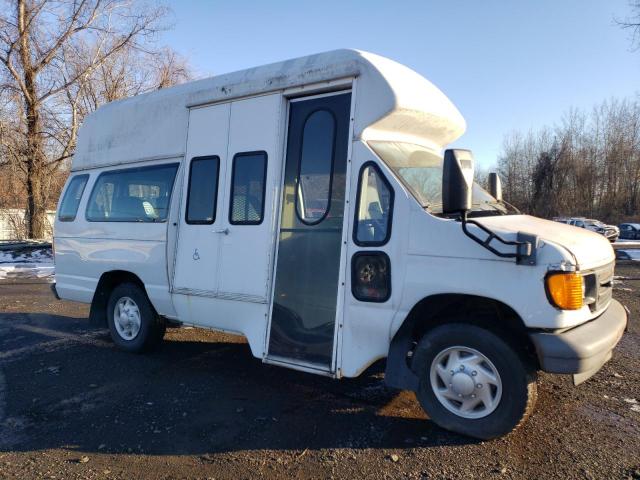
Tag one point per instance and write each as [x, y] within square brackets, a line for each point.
[35, 162]
[36, 177]
[36, 208]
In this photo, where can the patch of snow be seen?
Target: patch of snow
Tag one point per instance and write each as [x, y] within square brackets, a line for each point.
[26, 264]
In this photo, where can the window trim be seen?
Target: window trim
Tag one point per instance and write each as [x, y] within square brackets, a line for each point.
[136, 169]
[215, 194]
[264, 186]
[64, 197]
[370, 253]
[392, 194]
[333, 161]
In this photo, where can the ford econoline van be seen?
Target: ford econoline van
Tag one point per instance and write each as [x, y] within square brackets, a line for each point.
[311, 207]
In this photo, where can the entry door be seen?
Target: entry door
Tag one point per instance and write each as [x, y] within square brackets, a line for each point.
[310, 237]
[199, 237]
[247, 215]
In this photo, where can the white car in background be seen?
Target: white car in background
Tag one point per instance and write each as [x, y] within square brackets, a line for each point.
[610, 231]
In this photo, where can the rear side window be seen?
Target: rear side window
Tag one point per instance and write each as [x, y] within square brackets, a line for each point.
[71, 200]
[132, 195]
[248, 188]
[203, 190]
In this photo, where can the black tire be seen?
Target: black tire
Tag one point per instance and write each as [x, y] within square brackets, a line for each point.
[518, 378]
[152, 326]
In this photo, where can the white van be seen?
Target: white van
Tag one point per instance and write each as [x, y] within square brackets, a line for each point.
[306, 205]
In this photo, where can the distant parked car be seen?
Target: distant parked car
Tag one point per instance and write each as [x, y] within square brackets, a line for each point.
[610, 231]
[630, 231]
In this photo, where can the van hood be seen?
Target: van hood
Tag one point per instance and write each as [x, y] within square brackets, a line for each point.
[590, 249]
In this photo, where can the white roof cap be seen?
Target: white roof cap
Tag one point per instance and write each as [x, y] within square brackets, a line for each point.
[391, 99]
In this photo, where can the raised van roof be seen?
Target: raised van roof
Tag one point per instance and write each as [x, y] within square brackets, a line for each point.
[392, 101]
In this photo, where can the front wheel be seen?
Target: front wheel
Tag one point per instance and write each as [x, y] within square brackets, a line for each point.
[472, 382]
[133, 322]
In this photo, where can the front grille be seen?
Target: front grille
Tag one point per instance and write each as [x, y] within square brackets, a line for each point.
[598, 287]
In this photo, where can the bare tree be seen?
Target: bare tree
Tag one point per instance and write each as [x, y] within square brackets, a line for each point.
[62, 59]
[632, 23]
[587, 165]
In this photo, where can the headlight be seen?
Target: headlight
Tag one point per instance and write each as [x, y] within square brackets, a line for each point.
[565, 290]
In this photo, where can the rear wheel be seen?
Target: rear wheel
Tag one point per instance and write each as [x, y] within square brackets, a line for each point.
[472, 382]
[133, 322]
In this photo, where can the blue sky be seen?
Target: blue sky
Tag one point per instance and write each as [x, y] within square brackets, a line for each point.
[507, 65]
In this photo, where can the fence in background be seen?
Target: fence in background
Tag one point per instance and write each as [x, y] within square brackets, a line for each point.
[12, 224]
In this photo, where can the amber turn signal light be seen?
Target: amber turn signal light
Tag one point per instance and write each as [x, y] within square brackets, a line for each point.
[566, 290]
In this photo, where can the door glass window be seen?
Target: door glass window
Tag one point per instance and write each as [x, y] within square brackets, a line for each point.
[248, 188]
[71, 200]
[203, 190]
[132, 195]
[316, 165]
[374, 207]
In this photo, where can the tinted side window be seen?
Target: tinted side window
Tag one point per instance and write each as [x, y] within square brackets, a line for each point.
[203, 190]
[248, 188]
[316, 166]
[72, 197]
[132, 195]
[374, 207]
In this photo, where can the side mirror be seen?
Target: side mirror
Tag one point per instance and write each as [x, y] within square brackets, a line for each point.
[457, 181]
[495, 186]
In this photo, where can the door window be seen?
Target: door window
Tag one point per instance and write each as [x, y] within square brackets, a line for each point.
[72, 197]
[315, 168]
[374, 207]
[203, 190]
[248, 188]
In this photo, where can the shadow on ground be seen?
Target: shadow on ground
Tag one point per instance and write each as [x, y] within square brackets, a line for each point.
[66, 386]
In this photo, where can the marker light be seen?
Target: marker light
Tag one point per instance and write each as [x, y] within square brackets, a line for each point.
[566, 290]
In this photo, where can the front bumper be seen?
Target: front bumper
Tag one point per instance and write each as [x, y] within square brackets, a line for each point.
[583, 350]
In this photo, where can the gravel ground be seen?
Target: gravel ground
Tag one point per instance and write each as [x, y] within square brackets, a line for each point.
[72, 406]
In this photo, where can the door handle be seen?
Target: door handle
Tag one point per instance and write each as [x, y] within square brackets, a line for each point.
[224, 231]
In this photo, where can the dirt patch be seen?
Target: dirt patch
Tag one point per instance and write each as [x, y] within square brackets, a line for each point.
[203, 407]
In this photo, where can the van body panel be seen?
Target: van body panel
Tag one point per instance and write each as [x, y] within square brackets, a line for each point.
[365, 333]
[231, 316]
[86, 250]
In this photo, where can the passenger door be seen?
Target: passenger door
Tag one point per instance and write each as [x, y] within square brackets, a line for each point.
[199, 233]
[248, 211]
[303, 315]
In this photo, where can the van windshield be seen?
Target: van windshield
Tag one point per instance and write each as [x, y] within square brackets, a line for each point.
[420, 170]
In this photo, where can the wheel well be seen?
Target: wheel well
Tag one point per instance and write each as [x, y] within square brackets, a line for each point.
[108, 281]
[437, 310]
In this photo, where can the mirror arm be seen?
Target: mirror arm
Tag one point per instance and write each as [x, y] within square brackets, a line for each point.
[525, 248]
